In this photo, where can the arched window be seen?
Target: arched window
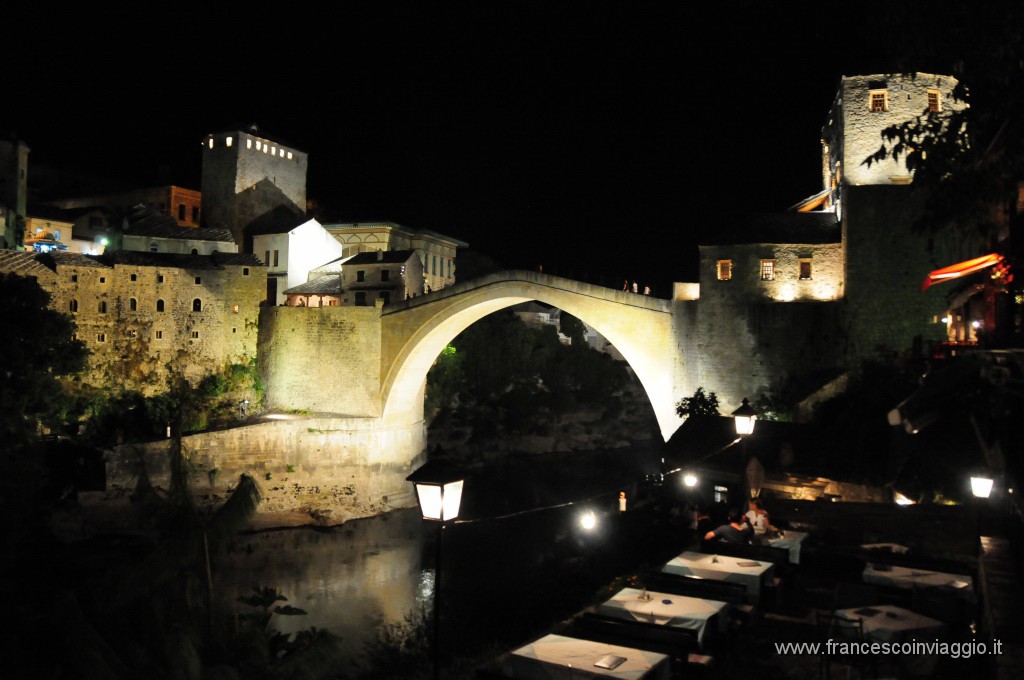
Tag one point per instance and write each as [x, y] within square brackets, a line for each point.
[133, 304]
[73, 306]
[197, 305]
[159, 305]
[195, 251]
[103, 307]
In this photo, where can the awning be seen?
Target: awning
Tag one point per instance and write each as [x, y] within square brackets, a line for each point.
[955, 271]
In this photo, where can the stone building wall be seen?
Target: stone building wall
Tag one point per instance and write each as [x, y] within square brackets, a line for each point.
[309, 470]
[321, 360]
[137, 347]
[826, 280]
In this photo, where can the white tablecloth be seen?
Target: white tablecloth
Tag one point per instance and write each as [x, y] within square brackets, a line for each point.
[723, 568]
[792, 540]
[889, 623]
[666, 609]
[905, 577]
[557, 656]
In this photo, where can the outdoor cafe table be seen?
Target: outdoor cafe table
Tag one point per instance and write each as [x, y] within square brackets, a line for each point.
[906, 577]
[557, 656]
[790, 540]
[889, 623]
[750, 573]
[665, 609]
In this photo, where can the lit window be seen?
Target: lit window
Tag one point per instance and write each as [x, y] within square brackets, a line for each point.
[273, 151]
[724, 270]
[805, 269]
[195, 335]
[259, 145]
[211, 142]
[234, 308]
[266, 148]
[289, 155]
[934, 103]
[878, 101]
[159, 335]
[73, 306]
[248, 144]
[767, 270]
[229, 141]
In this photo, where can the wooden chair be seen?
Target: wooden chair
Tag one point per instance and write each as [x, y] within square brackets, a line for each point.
[839, 630]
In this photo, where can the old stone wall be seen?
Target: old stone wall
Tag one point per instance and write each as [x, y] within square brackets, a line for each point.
[321, 359]
[887, 260]
[309, 470]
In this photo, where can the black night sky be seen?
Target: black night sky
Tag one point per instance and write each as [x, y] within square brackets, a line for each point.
[597, 139]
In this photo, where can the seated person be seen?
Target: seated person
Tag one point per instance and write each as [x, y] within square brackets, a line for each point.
[736, 531]
[757, 517]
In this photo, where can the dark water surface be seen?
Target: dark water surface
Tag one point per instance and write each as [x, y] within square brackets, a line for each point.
[517, 562]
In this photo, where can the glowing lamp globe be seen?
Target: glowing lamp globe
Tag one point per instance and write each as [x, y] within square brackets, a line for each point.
[744, 416]
[438, 491]
[981, 486]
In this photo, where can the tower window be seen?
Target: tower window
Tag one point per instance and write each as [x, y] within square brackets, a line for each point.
[228, 141]
[103, 307]
[805, 269]
[103, 279]
[289, 155]
[159, 305]
[879, 100]
[724, 270]
[159, 278]
[934, 103]
[197, 305]
[133, 304]
[248, 144]
[199, 280]
[101, 337]
[195, 335]
[73, 306]
[74, 278]
[159, 335]
[134, 277]
[767, 270]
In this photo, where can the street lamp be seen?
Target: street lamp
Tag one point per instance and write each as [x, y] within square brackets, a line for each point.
[981, 485]
[745, 417]
[439, 494]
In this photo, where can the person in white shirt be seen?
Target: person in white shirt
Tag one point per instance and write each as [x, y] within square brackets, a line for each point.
[758, 518]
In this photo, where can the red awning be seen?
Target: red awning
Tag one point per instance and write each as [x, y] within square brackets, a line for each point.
[955, 271]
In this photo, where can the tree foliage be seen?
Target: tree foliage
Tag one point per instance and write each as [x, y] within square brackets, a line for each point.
[700, 404]
[37, 347]
[572, 328]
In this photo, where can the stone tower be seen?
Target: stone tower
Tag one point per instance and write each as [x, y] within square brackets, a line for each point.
[251, 182]
[13, 192]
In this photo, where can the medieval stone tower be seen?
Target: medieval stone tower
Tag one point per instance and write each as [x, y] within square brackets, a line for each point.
[251, 182]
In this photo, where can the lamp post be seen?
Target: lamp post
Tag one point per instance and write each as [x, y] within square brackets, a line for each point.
[439, 494]
[745, 417]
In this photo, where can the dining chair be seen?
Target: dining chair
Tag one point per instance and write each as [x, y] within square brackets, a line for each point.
[842, 630]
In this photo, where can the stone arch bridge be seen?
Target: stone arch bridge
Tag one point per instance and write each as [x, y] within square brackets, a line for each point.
[414, 332]
[373, 361]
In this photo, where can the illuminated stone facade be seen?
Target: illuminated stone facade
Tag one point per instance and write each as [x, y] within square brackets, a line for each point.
[291, 252]
[13, 192]
[144, 315]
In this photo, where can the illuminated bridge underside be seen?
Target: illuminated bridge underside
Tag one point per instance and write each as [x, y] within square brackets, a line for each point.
[415, 331]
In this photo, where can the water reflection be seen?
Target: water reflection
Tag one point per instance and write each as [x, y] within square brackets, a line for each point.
[349, 579]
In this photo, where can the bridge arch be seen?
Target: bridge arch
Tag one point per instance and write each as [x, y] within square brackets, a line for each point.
[415, 331]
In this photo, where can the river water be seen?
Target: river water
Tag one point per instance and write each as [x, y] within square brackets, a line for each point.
[518, 559]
